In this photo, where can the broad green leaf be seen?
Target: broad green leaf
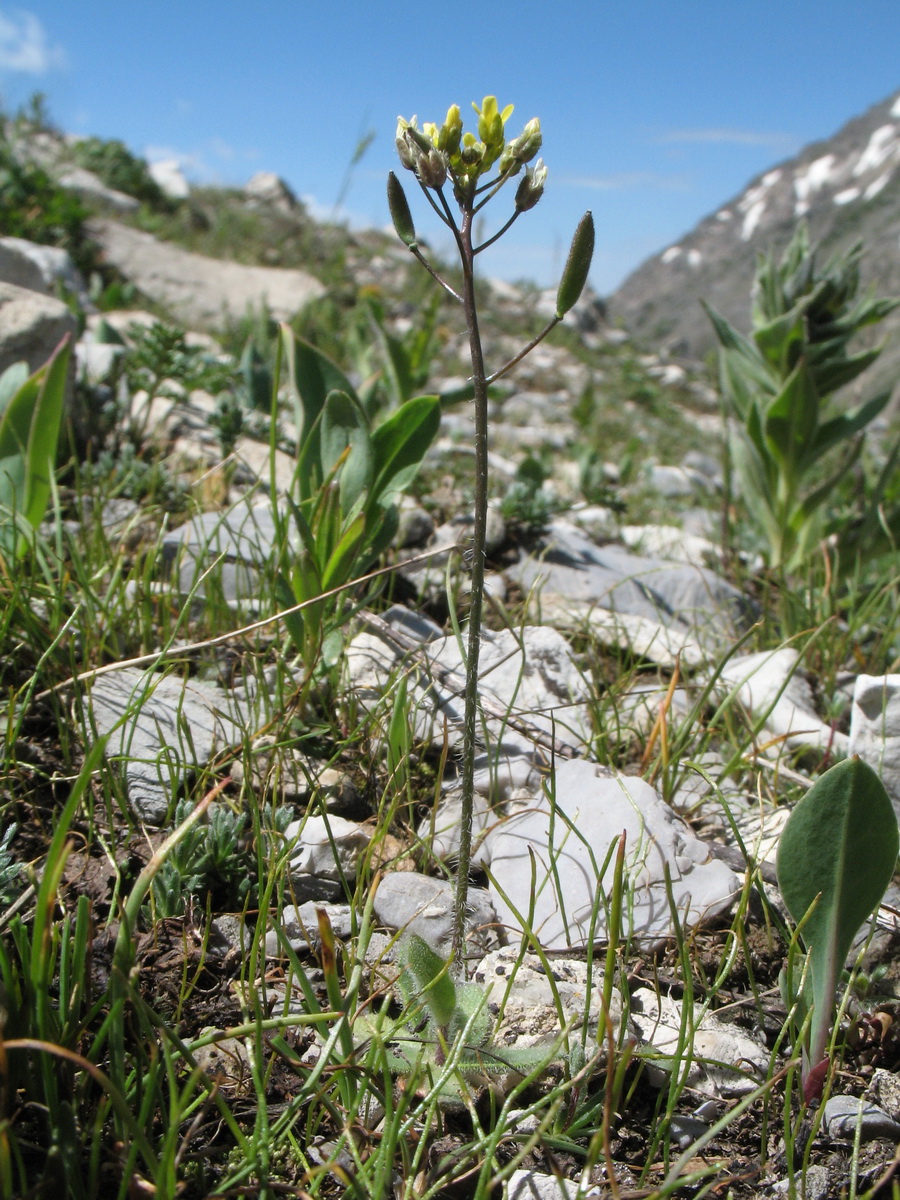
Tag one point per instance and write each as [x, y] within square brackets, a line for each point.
[385, 526]
[780, 341]
[837, 373]
[400, 443]
[731, 339]
[839, 847]
[433, 980]
[345, 428]
[312, 376]
[792, 418]
[10, 382]
[293, 623]
[838, 429]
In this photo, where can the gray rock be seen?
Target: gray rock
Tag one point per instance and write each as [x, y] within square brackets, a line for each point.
[327, 847]
[267, 188]
[875, 728]
[673, 482]
[96, 361]
[815, 1185]
[416, 525]
[671, 543]
[530, 673]
[227, 935]
[843, 1114]
[41, 269]
[18, 267]
[242, 537]
[85, 183]
[772, 686]
[532, 1185]
[884, 1090]
[202, 291]
[300, 924]
[167, 174]
[685, 1130]
[658, 1021]
[528, 1001]
[419, 904]
[572, 572]
[545, 860]
[160, 728]
[440, 830]
[31, 326]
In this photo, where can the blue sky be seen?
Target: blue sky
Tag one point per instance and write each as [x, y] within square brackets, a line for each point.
[654, 112]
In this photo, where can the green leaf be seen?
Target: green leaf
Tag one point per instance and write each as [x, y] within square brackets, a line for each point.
[839, 428]
[345, 555]
[345, 428]
[839, 847]
[396, 360]
[792, 418]
[433, 979]
[29, 431]
[838, 372]
[312, 376]
[780, 341]
[10, 382]
[401, 442]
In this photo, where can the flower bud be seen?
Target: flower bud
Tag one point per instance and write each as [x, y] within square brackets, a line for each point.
[531, 188]
[405, 154]
[451, 131]
[432, 169]
[415, 135]
[400, 213]
[575, 273]
[529, 141]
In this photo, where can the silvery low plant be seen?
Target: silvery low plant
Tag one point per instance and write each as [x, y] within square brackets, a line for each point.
[473, 169]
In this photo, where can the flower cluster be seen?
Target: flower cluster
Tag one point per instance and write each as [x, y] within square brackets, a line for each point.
[435, 152]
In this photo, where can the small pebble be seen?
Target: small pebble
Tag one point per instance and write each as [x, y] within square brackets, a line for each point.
[843, 1112]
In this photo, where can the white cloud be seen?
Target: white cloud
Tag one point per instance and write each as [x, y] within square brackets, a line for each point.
[732, 137]
[24, 46]
[622, 180]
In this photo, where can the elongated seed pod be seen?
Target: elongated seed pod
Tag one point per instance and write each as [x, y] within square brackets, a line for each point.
[400, 214]
[574, 277]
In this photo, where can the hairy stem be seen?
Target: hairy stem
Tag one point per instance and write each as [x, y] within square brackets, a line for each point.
[470, 715]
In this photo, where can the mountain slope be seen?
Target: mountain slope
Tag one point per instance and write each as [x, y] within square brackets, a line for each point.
[847, 188]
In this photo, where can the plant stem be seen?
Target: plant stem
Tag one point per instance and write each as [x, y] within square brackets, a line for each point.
[476, 604]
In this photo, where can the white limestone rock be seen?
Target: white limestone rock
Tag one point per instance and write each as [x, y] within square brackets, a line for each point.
[727, 1062]
[545, 860]
[160, 728]
[771, 686]
[327, 847]
[875, 728]
[527, 1002]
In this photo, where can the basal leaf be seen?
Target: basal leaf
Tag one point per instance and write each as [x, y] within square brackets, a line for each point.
[345, 428]
[400, 443]
[433, 980]
[840, 844]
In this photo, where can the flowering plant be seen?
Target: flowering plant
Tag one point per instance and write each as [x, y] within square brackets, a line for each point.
[439, 155]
